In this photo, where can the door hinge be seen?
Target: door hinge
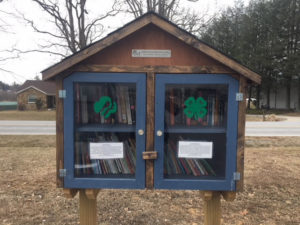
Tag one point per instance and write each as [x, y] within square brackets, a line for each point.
[62, 94]
[236, 176]
[239, 97]
[62, 172]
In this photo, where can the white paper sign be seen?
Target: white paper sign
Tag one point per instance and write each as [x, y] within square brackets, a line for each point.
[151, 53]
[106, 150]
[195, 149]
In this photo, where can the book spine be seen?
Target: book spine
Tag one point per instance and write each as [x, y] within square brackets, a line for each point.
[132, 105]
[123, 105]
[208, 167]
[119, 112]
[127, 104]
[216, 123]
[77, 115]
[84, 108]
[172, 108]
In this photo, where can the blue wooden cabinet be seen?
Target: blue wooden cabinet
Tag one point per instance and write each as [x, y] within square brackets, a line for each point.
[195, 112]
[195, 131]
[103, 148]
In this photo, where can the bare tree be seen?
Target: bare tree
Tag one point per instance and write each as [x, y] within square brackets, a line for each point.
[164, 8]
[74, 30]
[171, 10]
[191, 21]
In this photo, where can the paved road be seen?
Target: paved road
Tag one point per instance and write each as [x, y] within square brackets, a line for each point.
[283, 128]
[10, 127]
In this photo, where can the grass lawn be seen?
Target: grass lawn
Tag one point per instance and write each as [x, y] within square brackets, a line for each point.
[28, 194]
[27, 115]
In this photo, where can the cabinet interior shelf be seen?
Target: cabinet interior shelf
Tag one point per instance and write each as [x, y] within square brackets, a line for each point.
[106, 128]
[203, 130]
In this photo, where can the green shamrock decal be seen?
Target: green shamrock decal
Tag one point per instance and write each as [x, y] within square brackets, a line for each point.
[105, 107]
[195, 108]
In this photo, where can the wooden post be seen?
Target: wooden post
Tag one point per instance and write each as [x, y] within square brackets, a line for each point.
[88, 207]
[212, 208]
[150, 128]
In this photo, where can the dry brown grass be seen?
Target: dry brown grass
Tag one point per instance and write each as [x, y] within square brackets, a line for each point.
[27, 115]
[297, 114]
[28, 194]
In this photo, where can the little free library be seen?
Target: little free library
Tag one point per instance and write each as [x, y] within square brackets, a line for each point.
[150, 106]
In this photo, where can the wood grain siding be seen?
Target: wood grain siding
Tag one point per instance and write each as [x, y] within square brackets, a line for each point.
[241, 134]
[150, 128]
[151, 37]
[93, 49]
[158, 69]
[150, 32]
[59, 134]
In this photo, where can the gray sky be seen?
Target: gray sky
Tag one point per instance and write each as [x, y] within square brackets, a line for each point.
[17, 34]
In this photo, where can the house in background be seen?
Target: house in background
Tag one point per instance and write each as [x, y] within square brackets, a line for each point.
[36, 90]
[278, 97]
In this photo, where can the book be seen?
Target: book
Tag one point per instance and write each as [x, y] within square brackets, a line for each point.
[184, 166]
[119, 111]
[84, 166]
[175, 105]
[127, 105]
[172, 108]
[123, 105]
[78, 103]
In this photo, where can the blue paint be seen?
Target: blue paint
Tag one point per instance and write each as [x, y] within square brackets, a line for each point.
[197, 130]
[136, 182]
[225, 183]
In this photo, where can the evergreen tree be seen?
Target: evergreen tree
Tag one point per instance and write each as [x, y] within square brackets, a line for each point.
[263, 36]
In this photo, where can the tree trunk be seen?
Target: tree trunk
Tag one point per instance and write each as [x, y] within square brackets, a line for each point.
[249, 96]
[288, 94]
[268, 97]
[298, 109]
[275, 98]
[258, 97]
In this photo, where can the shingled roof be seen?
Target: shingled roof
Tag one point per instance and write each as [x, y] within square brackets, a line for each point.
[46, 87]
[139, 23]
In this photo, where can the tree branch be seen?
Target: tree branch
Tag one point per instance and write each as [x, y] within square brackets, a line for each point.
[18, 52]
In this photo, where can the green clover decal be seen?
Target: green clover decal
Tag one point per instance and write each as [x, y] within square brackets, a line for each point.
[195, 108]
[105, 107]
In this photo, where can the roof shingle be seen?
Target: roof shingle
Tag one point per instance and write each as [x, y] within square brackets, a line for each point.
[47, 87]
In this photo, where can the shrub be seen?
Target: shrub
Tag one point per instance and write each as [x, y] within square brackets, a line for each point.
[39, 104]
[21, 107]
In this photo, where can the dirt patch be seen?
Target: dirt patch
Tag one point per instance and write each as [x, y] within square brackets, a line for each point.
[261, 118]
[28, 194]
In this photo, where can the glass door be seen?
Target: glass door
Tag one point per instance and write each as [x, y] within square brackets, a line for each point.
[195, 131]
[102, 142]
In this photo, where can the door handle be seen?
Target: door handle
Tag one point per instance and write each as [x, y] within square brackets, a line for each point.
[159, 133]
[141, 132]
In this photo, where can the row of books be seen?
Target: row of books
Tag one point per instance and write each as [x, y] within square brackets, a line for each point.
[123, 96]
[175, 105]
[183, 166]
[86, 166]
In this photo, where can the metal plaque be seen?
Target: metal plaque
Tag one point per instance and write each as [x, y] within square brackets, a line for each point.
[151, 53]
